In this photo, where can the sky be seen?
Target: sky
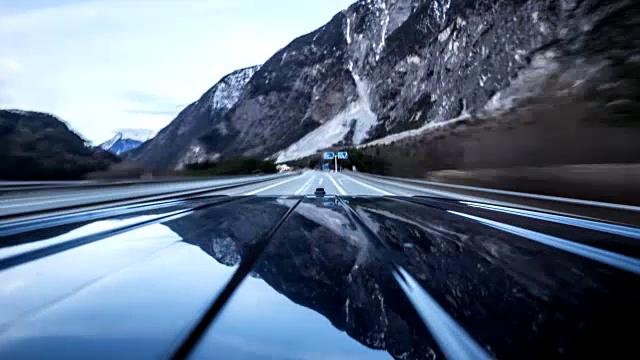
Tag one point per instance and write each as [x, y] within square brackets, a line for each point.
[105, 65]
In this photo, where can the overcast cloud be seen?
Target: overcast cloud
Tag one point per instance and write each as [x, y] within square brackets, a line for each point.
[105, 65]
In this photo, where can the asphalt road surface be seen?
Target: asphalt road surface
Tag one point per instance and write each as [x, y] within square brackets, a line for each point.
[360, 184]
[49, 198]
[84, 198]
[308, 181]
[378, 267]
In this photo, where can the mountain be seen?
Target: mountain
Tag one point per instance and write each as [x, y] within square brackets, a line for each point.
[39, 146]
[177, 144]
[383, 67]
[126, 140]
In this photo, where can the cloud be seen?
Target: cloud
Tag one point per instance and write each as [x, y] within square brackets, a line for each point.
[70, 13]
[10, 66]
[79, 59]
[146, 98]
[144, 103]
[5, 98]
[153, 112]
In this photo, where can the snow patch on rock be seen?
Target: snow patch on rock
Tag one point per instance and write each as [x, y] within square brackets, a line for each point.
[137, 134]
[227, 92]
[444, 34]
[415, 60]
[347, 30]
[440, 8]
[385, 26]
[195, 155]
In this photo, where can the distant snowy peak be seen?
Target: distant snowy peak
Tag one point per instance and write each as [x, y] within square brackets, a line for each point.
[107, 145]
[136, 134]
[127, 140]
[227, 91]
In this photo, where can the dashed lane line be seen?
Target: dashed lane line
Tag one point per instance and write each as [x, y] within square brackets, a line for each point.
[340, 189]
[254, 192]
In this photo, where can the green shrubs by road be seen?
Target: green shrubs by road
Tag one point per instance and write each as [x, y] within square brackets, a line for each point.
[233, 166]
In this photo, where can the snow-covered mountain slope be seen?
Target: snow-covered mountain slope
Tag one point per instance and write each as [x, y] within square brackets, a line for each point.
[137, 134]
[126, 140]
[177, 144]
[119, 146]
[383, 67]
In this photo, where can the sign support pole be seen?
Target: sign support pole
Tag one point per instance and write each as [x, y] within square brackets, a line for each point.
[335, 157]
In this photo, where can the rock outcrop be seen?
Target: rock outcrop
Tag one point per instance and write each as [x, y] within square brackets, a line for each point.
[178, 144]
[382, 67]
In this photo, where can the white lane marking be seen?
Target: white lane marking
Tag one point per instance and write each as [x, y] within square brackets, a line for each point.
[340, 189]
[306, 185]
[560, 219]
[603, 256]
[321, 180]
[383, 192]
[86, 195]
[271, 186]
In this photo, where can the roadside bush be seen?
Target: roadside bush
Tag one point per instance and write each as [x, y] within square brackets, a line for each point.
[232, 166]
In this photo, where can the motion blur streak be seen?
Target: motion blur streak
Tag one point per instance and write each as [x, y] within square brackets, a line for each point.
[603, 256]
[454, 342]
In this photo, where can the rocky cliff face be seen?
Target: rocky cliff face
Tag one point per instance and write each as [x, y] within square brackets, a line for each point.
[427, 62]
[315, 92]
[177, 144]
[387, 66]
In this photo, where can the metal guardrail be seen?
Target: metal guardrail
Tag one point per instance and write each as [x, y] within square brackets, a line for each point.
[13, 186]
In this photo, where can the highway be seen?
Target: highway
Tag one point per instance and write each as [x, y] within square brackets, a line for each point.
[360, 184]
[19, 200]
[308, 181]
[42, 200]
[168, 269]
